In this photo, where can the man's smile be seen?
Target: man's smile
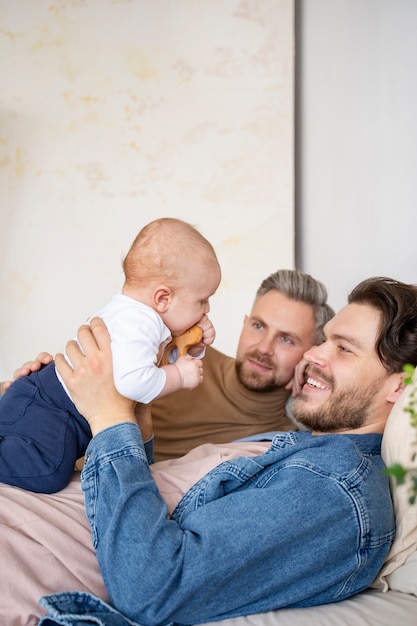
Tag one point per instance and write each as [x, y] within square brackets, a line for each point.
[316, 382]
[313, 382]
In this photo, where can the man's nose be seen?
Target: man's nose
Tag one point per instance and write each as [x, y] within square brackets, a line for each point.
[267, 344]
[316, 355]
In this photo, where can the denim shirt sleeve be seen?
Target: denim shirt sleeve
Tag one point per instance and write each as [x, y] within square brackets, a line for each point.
[149, 450]
[254, 534]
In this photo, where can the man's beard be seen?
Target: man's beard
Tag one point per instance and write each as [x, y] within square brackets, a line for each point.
[346, 409]
[255, 381]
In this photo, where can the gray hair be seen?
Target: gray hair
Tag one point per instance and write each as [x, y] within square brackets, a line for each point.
[302, 288]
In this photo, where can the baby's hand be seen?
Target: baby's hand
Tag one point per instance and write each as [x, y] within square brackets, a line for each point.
[191, 371]
[209, 333]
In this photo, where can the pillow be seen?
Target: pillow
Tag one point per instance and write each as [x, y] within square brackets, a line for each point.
[399, 443]
[404, 577]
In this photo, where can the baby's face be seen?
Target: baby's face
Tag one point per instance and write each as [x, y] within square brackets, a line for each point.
[190, 302]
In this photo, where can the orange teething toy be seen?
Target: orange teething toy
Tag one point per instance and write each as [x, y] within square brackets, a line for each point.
[191, 336]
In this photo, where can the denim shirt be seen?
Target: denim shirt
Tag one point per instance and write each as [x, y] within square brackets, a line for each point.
[308, 522]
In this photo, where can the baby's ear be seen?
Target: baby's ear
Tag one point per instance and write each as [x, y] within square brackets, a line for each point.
[162, 297]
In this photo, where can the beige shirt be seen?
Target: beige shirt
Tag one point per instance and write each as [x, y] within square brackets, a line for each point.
[220, 410]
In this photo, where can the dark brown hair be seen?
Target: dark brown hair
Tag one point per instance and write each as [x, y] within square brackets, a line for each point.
[396, 342]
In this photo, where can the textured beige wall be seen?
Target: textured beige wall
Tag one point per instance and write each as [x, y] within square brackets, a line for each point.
[115, 112]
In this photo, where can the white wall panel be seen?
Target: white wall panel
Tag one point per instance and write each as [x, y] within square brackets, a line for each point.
[357, 148]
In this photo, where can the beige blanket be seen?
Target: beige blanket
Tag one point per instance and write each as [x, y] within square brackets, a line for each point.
[45, 542]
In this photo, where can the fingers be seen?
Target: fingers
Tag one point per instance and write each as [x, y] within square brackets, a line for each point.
[191, 371]
[63, 367]
[73, 350]
[289, 385]
[25, 369]
[202, 320]
[297, 381]
[101, 334]
[90, 338]
[209, 333]
[43, 358]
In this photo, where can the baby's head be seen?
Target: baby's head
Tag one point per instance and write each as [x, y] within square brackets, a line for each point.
[171, 257]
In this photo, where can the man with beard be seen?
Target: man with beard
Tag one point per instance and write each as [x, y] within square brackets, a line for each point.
[308, 521]
[246, 395]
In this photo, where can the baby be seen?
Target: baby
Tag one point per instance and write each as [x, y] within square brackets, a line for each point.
[171, 271]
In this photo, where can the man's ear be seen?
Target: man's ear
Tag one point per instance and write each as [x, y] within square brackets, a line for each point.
[397, 386]
[162, 297]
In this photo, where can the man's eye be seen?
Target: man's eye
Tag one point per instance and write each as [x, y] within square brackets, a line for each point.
[343, 349]
[287, 340]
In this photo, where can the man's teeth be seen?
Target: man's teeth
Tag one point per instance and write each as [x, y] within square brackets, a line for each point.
[315, 383]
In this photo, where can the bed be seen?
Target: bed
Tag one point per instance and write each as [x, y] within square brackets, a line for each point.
[370, 607]
[45, 542]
